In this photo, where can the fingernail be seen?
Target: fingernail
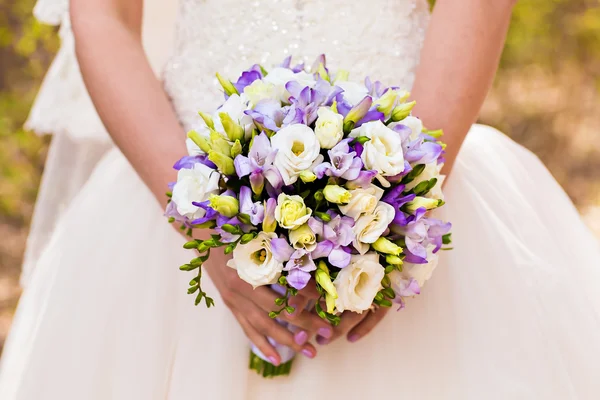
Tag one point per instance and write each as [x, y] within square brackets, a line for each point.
[300, 337]
[322, 341]
[325, 332]
[308, 353]
[274, 361]
[353, 338]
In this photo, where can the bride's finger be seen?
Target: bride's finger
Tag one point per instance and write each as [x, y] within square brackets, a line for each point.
[281, 334]
[310, 322]
[367, 324]
[348, 321]
[259, 340]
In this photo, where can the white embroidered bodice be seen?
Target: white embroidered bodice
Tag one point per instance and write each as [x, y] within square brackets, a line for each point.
[379, 38]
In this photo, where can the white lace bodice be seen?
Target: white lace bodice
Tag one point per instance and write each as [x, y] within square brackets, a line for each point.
[379, 38]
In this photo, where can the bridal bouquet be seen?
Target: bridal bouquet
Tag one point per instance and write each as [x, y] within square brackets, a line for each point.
[312, 179]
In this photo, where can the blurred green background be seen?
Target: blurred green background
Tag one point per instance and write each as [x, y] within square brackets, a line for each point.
[546, 96]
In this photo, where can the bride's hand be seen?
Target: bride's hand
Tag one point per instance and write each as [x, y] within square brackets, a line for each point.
[252, 306]
[355, 326]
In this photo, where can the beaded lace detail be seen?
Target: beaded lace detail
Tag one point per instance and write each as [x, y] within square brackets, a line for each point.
[379, 38]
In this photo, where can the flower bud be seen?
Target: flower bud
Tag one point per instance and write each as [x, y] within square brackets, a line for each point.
[385, 246]
[269, 223]
[230, 228]
[324, 280]
[307, 176]
[402, 111]
[225, 205]
[227, 85]
[422, 202]
[233, 130]
[357, 113]
[218, 143]
[393, 260]
[341, 76]
[246, 238]
[322, 72]
[322, 216]
[387, 102]
[207, 119]
[236, 149]
[223, 162]
[336, 194]
[199, 140]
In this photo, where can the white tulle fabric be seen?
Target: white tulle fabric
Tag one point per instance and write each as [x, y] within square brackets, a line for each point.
[512, 312]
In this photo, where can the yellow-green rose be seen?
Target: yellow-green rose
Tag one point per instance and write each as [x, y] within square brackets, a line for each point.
[291, 212]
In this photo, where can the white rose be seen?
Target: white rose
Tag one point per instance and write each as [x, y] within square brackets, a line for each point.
[383, 152]
[353, 92]
[254, 261]
[369, 227]
[279, 77]
[329, 127]
[194, 185]
[291, 212]
[235, 107]
[362, 201]
[260, 90]
[358, 283]
[432, 170]
[297, 148]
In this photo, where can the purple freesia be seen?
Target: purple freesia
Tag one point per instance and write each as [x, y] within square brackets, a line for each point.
[305, 101]
[210, 213]
[299, 267]
[363, 180]
[395, 198]
[421, 152]
[259, 165]
[248, 77]
[371, 115]
[334, 236]
[344, 163]
[376, 89]
[267, 114]
[188, 162]
[420, 232]
[256, 211]
[405, 288]
[281, 249]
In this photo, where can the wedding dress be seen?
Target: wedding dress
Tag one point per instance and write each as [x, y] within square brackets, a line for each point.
[513, 312]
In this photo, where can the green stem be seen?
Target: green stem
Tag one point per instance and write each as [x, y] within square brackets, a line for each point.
[268, 370]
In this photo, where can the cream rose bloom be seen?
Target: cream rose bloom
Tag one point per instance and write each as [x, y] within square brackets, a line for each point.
[358, 283]
[291, 212]
[431, 170]
[369, 227]
[362, 201]
[383, 152]
[254, 261]
[297, 149]
[353, 92]
[194, 185]
[329, 127]
[303, 238]
[260, 90]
